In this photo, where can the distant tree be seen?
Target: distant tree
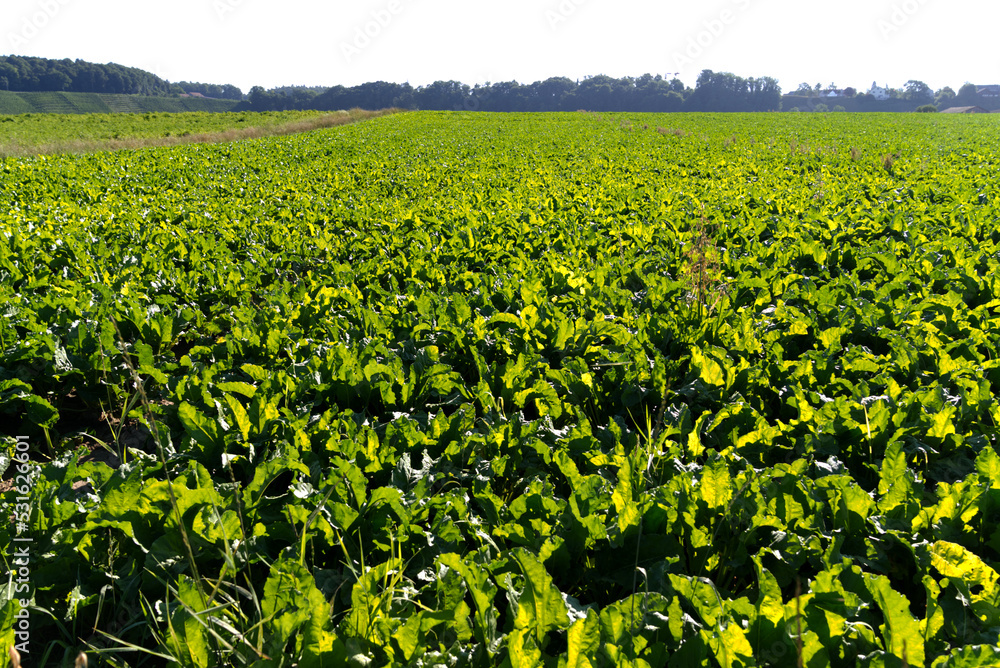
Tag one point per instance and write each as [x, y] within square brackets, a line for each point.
[850, 92]
[656, 94]
[968, 95]
[716, 92]
[501, 96]
[262, 100]
[225, 92]
[927, 109]
[795, 109]
[839, 107]
[724, 91]
[918, 92]
[764, 94]
[553, 94]
[442, 95]
[674, 101]
[55, 81]
[804, 89]
[821, 107]
[944, 96]
[601, 93]
[43, 74]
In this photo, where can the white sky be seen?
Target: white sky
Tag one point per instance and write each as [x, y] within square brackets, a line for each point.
[323, 43]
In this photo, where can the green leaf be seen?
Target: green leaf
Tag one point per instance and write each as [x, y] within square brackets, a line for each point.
[523, 650]
[408, 636]
[972, 656]
[482, 591]
[624, 497]
[147, 363]
[709, 370]
[988, 467]
[240, 415]
[40, 411]
[952, 560]
[893, 467]
[145, 354]
[187, 637]
[245, 389]
[259, 374]
[830, 338]
[956, 562]
[901, 631]
[540, 606]
[770, 607]
[293, 605]
[8, 617]
[716, 484]
[583, 639]
[941, 423]
[201, 428]
[934, 620]
[895, 485]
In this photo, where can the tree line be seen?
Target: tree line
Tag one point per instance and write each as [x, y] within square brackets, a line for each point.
[714, 91]
[29, 74]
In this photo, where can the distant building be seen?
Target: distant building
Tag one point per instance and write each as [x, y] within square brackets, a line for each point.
[965, 110]
[879, 92]
[989, 91]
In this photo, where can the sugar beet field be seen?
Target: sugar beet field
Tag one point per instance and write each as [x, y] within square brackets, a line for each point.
[564, 390]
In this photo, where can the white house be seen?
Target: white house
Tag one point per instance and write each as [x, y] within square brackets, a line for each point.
[879, 92]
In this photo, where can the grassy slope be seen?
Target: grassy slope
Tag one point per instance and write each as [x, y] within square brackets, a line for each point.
[30, 134]
[90, 103]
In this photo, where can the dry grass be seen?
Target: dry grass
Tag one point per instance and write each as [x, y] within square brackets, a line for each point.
[701, 268]
[330, 120]
[889, 161]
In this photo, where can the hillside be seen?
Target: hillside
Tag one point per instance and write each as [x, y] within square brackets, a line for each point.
[89, 103]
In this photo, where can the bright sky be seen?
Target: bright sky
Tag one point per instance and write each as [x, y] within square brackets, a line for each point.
[329, 42]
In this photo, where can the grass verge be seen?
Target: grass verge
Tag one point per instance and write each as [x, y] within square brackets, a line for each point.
[93, 145]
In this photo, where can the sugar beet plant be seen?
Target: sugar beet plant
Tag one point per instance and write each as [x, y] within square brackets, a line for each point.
[508, 390]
